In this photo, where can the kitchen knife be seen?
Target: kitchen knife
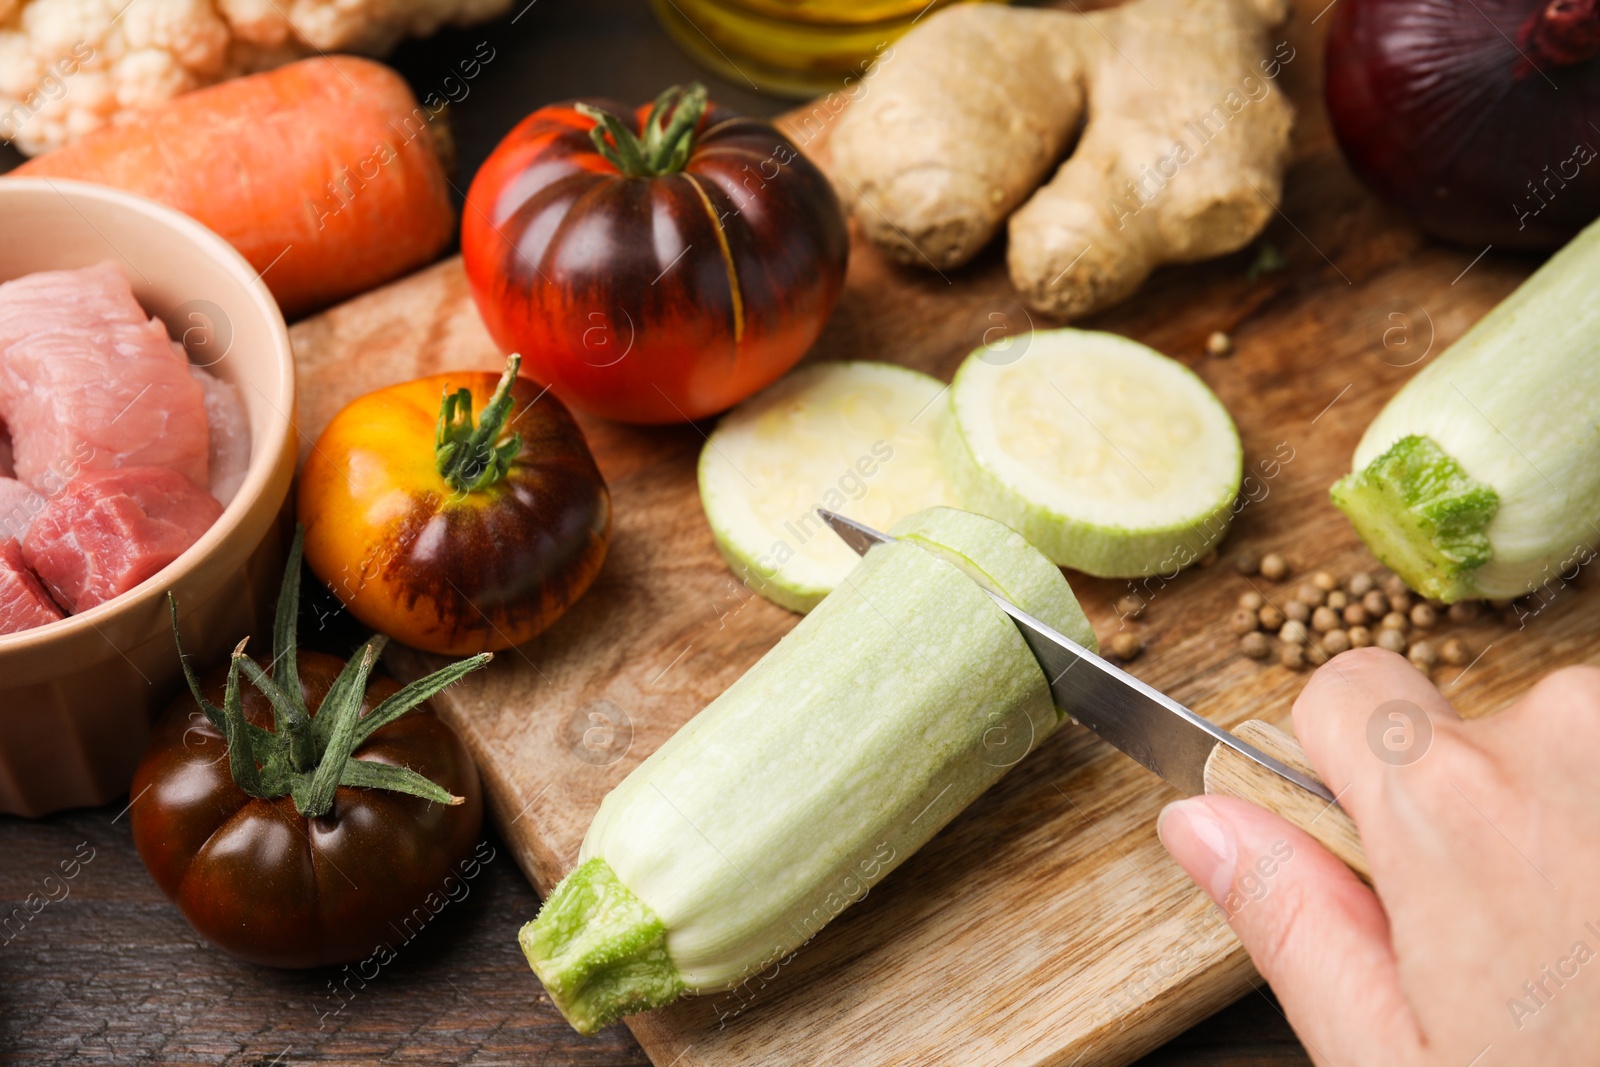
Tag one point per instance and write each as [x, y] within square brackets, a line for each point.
[1259, 763]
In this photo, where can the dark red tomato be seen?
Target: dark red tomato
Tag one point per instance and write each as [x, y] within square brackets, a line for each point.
[266, 883]
[655, 268]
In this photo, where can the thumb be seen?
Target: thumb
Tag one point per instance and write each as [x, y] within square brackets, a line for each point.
[1314, 931]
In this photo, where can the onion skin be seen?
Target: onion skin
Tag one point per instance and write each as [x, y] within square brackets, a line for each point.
[1480, 140]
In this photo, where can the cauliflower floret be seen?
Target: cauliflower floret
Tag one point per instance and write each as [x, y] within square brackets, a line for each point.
[260, 22]
[189, 30]
[68, 67]
[148, 77]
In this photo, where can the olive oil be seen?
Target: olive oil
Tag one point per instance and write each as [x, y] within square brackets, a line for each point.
[796, 48]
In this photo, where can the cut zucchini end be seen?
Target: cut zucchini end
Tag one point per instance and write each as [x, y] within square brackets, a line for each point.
[1422, 515]
[1015, 568]
[599, 950]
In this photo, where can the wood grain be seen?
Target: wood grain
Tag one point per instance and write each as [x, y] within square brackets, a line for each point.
[111, 975]
[1229, 773]
[1045, 925]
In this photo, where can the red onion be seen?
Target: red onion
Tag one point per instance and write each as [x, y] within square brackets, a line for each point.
[1480, 118]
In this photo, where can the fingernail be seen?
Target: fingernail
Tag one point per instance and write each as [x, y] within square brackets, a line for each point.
[1202, 844]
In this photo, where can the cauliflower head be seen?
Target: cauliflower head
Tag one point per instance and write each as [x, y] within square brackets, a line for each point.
[69, 67]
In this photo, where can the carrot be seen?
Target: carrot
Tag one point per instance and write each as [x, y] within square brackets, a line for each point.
[323, 173]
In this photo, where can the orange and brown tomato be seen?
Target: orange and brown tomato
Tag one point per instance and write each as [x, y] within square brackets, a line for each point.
[432, 560]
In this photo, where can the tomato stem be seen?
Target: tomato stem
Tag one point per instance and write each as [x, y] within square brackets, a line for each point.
[309, 757]
[469, 458]
[668, 133]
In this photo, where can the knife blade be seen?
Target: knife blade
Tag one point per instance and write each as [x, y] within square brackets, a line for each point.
[1142, 722]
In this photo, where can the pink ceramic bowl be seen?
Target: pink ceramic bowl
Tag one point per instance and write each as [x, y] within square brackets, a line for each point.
[77, 696]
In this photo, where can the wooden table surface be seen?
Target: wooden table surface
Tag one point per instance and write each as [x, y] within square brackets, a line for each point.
[110, 973]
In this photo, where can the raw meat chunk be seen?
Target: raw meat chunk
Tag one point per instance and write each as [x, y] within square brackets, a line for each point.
[88, 381]
[230, 435]
[19, 506]
[23, 602]
[110, 530]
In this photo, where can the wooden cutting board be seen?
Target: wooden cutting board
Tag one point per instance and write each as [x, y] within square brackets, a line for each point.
[1045, 925]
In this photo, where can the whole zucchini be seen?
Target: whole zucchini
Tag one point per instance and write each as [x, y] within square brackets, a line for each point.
[1481, 478]
[903, 696]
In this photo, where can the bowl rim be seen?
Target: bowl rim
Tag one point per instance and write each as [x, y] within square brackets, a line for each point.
[266, 456]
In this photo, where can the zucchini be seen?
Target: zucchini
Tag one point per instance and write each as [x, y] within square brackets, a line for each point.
[860, 439]
[1111, 458]
[878, 718]
[1481, 478]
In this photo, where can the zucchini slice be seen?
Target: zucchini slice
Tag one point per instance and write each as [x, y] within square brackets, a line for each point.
[1109, 457]
[857, 438]
[872, 724]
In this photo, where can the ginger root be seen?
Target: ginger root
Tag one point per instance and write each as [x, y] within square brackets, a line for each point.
[1181, 158]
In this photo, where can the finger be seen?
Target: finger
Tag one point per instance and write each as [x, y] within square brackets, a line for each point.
[1363, 713]
[1314, 931]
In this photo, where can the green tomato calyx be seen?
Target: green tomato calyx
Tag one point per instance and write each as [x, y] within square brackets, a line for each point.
[668, 133]
[307, 755]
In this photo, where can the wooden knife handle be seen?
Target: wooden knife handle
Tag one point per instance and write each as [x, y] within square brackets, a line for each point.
[1230, 774]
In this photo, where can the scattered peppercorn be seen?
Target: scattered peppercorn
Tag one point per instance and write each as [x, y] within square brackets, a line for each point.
[1360, 584]
[1337, 600]
[1219, 344]
[1336, 641]
[1243, 620]
[1255, 645]
[1355, 615]
[1324, 619]
[1424, 616]
[1393, 640]
[1464, 611]
[1310, 594]
[1317, 654]
[1400, 601]
[1271, 618]
[1251, 600]
[1376, 603]
[1126, 645]
[1273, 567]
[1247, 564]
[1130, 607]
[1360, 637]
[1297, 611]
[1422, 656]
[1292, 656]
[1455, 652]
[1325, 581]
[1393, 584]
[1395, 621]
[1293, 633]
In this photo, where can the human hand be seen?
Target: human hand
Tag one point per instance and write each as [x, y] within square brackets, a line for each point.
[1481, 944]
